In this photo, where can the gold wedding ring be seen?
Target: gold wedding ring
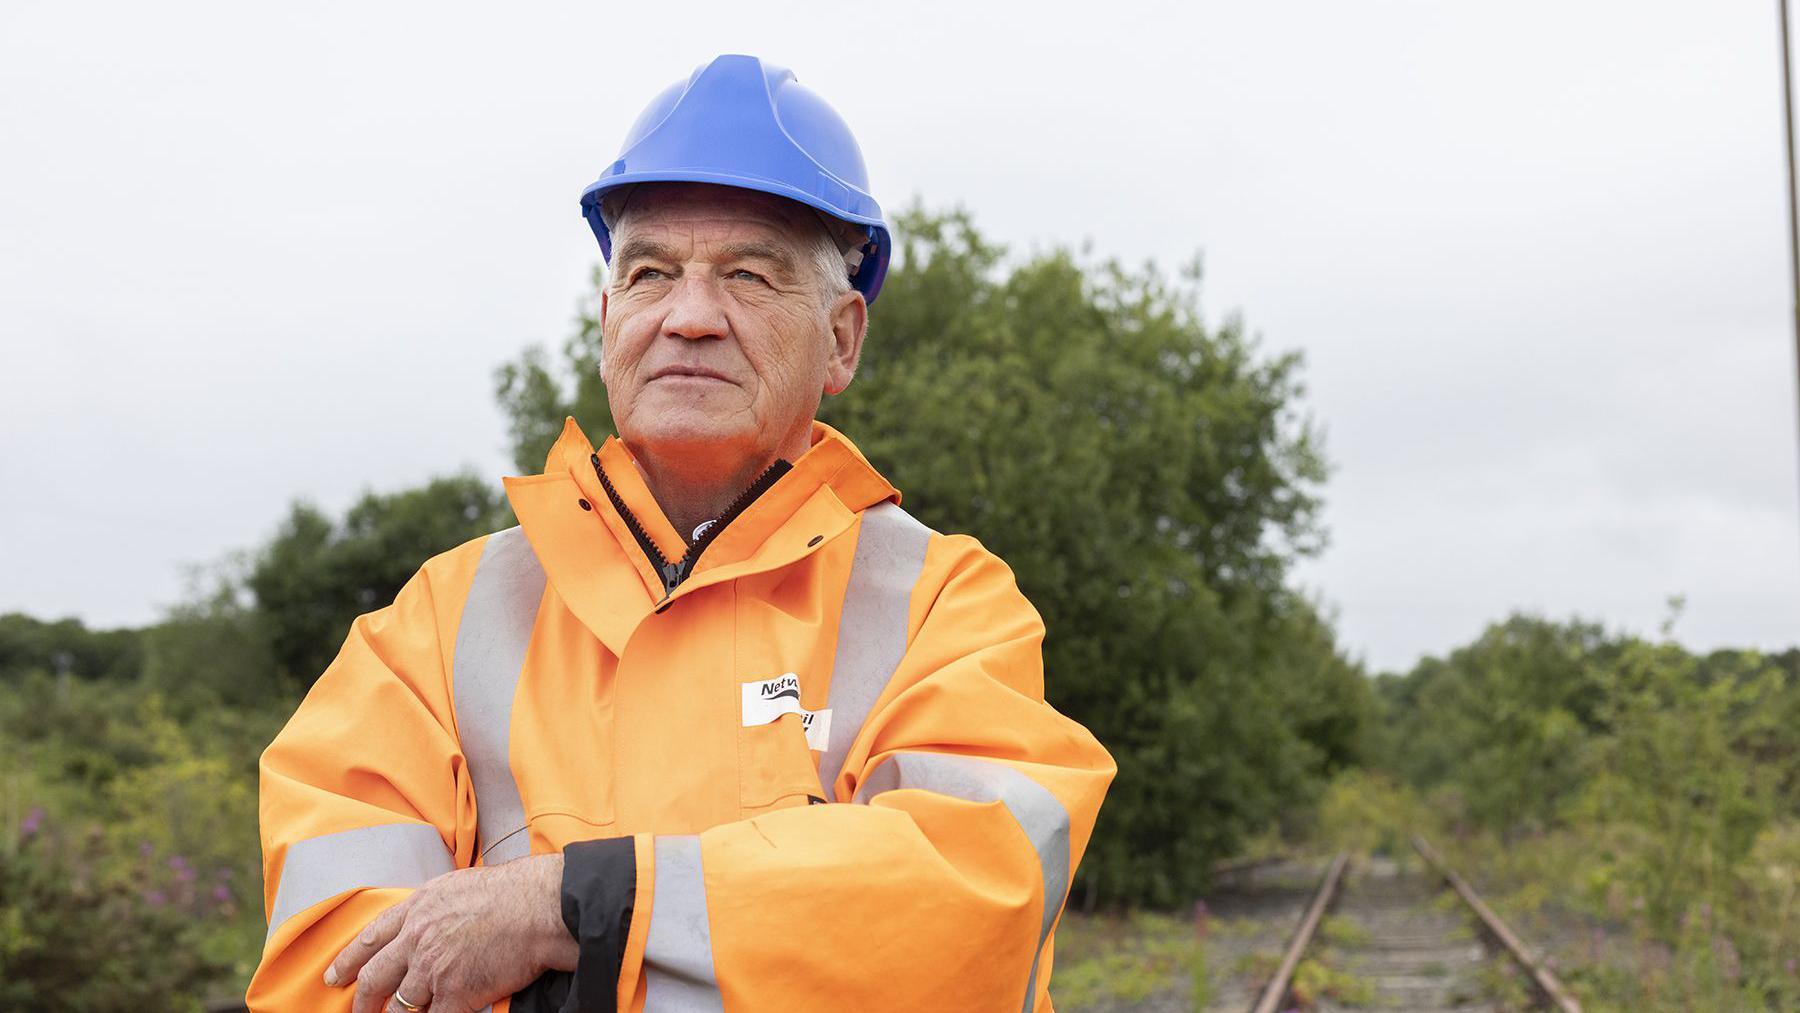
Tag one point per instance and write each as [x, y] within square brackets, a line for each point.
[408, 1006]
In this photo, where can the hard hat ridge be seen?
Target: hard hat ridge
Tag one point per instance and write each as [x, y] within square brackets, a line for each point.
[738, 121]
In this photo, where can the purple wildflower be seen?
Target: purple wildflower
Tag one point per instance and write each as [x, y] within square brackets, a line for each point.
[33, 821]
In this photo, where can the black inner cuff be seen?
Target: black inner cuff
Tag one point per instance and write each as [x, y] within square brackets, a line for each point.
[599, 890]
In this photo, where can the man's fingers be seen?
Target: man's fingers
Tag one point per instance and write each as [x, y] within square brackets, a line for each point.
[368, 942]
[381, 975]
[416, 987]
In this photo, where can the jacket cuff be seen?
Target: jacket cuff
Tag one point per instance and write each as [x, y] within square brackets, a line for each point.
[599, 890]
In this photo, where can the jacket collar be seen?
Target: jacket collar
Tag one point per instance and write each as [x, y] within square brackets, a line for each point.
[596, 565]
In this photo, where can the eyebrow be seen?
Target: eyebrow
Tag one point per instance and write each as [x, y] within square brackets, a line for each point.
[635, 249]
[777, 256]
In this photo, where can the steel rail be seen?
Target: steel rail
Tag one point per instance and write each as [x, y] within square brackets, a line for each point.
[1547, 981]
[1277, 988]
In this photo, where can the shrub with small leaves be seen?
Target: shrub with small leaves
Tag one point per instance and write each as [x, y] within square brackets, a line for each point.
[80, 932]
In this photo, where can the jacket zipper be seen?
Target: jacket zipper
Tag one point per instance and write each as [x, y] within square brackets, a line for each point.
[672, 574]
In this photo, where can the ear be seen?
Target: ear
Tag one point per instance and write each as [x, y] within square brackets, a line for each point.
[849, 325]
[600, 358]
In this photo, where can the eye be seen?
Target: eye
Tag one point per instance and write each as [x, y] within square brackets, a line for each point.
[744, 274]
[646, 274]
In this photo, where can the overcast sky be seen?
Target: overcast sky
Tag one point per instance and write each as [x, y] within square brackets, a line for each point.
[1533, 252]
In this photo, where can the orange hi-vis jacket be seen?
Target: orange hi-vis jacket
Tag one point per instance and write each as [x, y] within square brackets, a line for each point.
[822, 759]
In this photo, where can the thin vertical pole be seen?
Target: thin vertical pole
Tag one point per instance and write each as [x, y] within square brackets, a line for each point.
[1787, 121]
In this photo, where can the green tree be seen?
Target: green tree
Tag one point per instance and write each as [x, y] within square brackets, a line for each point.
[1149, 478]
[212, 651]
[1506, 720]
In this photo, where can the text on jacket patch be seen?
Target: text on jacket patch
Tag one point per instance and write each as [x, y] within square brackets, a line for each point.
[768, 699]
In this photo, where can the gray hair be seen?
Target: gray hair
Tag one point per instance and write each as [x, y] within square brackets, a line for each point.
[835, 248]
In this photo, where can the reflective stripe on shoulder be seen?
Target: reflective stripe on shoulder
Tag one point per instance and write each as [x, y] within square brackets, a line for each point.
[678, 957]
[1040, 814]
[871, 640]
[497, 621]
[391, 855]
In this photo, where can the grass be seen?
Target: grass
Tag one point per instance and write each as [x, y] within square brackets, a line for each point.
[1109, 960]
[1318, 978]
[1571, 894]
[1342, 931]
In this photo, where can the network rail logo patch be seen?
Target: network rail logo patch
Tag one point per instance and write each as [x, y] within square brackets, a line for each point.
[768, 699]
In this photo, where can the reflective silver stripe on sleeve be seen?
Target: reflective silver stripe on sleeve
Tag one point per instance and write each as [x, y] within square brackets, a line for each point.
[391, 855]
[491, 641]
[678, 957]
[1039, 814]
[871, 639]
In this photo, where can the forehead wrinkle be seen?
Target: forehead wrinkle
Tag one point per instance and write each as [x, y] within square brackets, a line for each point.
[696, 206]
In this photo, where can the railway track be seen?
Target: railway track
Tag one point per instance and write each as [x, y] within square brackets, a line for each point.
[1401, 940]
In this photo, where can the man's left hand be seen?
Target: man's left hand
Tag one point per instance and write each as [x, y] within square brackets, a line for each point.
[463, 940]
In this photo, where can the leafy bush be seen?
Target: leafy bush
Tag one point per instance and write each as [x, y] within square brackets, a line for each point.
[81, 930]
[134, 817]
[1684, 807]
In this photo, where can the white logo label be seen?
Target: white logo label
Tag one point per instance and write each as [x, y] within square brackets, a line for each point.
[771, 698]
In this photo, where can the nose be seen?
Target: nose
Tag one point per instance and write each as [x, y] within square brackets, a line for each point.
[696, 310]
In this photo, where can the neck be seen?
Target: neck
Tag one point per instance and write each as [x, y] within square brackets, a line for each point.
[689, 499]
[692, 489]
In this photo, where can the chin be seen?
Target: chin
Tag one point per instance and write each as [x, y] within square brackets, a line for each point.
[683, 432]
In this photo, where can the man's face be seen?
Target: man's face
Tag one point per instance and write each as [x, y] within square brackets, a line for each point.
[719, 341]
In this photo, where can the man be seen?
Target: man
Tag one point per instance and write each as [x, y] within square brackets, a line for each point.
[718, 726]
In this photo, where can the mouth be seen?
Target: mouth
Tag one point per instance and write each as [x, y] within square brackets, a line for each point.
[689, 373]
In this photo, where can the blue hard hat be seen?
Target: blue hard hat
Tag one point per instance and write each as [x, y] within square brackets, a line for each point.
[738, 121]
